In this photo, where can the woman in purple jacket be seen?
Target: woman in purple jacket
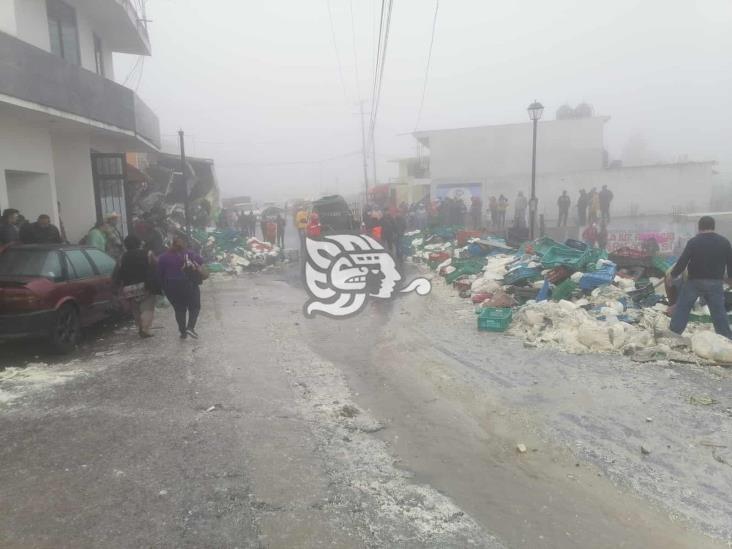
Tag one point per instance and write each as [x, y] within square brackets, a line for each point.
[179, 270]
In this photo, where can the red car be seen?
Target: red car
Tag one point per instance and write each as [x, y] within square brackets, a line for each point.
[53, 291]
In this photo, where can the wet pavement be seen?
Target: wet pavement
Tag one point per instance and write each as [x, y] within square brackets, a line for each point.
[397, 428]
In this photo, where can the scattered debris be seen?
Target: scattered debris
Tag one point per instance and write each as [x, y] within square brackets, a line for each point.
[645, 451]
[521, 448]
[701, 400]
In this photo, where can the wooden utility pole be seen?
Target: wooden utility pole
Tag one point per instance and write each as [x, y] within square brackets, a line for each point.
[186, 202]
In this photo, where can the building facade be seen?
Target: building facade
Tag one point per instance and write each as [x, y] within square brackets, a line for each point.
[60, 108]
[571, 155]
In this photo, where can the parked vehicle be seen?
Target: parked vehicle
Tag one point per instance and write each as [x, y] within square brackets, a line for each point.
[335, 215]
[53, 291]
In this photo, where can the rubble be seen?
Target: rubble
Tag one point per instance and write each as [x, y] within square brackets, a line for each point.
[570, 296]
[229, 252]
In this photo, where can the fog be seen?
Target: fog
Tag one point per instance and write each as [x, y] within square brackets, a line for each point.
[256, 84]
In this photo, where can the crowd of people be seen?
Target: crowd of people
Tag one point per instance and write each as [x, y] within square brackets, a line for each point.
[15, 228]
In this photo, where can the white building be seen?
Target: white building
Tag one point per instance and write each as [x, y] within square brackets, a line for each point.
[59, 105]
[571, 155]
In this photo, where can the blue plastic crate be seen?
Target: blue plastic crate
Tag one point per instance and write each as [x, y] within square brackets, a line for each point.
[605, 275]
[521, 274]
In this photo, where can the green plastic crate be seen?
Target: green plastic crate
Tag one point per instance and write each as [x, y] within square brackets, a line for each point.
[540, 245]
[561, 255]
[564, 290]
[494, 320]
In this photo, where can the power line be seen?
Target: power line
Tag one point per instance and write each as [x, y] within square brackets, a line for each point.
[376, 60]
[427, 67]
[133, 70]
[375, 109]
[355, 56]
[139, 79]
[335, 48]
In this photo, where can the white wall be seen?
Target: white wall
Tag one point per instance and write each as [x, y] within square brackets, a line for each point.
[25, 148]
[32, 22]
[495, 151]
[8, 24]
[74, 185]
[31, 193]
[657, 189]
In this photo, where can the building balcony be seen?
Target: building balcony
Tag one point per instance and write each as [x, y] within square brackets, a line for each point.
[118, 23]
[33, 80]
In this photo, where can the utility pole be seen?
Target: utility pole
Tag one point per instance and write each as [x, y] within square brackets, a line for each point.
[183, 163]
[365, 159]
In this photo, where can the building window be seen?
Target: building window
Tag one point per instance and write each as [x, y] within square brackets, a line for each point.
[98, 55]
[62, 30]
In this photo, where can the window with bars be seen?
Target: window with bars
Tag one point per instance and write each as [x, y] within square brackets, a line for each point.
[63, 31]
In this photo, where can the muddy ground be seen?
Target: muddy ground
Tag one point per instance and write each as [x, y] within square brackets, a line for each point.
[397, 428]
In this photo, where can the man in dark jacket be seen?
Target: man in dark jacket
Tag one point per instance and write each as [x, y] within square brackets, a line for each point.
[40, 232]
[8, 227]
[706, 258]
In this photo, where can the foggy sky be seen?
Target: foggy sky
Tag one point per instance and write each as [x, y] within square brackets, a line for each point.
[258, 82]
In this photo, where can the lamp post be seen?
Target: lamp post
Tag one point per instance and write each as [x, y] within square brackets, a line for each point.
[535, 110]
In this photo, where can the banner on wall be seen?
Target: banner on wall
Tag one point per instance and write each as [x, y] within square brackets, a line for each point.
[459, 191]
[635, 240]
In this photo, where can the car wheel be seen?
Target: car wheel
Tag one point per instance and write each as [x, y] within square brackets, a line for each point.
[66, 329]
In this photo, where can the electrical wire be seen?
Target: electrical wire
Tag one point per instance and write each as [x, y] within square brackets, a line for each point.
[427, 67]
[139, 79]
[376, 59]
[335, 48]
[375, 109]
[355, 56]
[134, 68]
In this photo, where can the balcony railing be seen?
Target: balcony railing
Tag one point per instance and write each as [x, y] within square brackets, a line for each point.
[30, 74]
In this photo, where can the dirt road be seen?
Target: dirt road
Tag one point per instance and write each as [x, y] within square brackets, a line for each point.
[397, 428]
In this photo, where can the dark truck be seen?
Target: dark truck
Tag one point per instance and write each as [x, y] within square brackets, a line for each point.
[335, 215]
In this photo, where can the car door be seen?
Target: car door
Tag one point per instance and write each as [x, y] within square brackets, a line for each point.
[106, 291]
[82, 285]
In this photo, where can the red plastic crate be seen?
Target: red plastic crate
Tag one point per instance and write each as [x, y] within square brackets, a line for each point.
[464, 236]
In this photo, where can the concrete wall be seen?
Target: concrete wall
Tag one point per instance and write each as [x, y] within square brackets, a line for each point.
[7, 17]
[32, 22]
[497, 151]
[74, 184]
[642, 190]
[31, 193]
[25, 148]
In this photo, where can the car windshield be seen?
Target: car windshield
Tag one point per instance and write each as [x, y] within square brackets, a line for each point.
[41, 263]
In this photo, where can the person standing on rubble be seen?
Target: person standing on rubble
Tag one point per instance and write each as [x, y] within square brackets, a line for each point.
[582, 203]
[520, 210]
[706, 258]
[280, 230]
[179, 271]
[593, 206]
[605, 197]
[502, 209]
[493, 209]
[564, 202]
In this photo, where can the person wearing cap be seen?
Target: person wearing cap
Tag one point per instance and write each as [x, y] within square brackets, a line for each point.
[114, 245]
[8, 227]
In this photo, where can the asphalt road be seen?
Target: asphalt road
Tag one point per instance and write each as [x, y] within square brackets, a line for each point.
[397, 428]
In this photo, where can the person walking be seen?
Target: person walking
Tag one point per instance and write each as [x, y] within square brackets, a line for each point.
[301, 222]
[520, 210]
[564, 202]
[40, 232]
[179, 272]
[135, 275]
[582, 203]
[706, 258]
[9, 232]
[605, 197]
[502, 209]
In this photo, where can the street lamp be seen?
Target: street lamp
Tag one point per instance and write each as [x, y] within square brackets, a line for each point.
[536, 109]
